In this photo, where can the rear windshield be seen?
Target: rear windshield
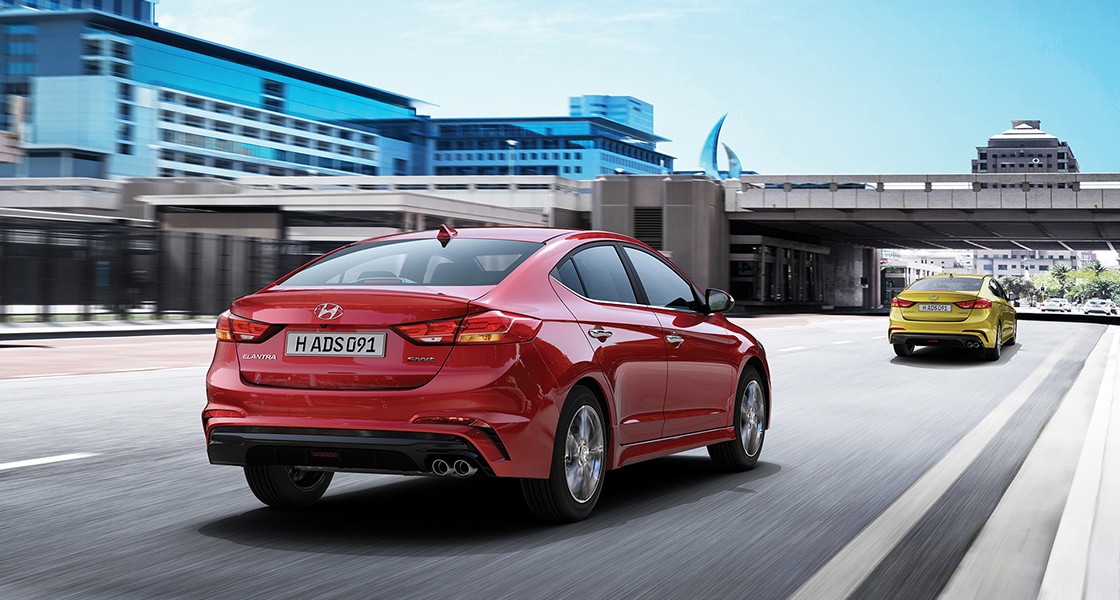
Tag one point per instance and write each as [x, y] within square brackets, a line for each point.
[417, 262]
[947, 284]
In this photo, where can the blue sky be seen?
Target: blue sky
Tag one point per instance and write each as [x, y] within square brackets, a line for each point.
[811, 87]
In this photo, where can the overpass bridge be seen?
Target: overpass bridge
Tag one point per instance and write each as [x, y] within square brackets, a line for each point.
[1055, 211]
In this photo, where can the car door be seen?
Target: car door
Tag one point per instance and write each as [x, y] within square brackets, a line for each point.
[702, 365]
[1006, 311]
[626, 337]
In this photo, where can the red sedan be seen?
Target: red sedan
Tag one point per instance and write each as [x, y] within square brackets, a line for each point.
[548, 355]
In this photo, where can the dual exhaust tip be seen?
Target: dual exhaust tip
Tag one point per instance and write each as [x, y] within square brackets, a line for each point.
[972, 344]
[460, 468]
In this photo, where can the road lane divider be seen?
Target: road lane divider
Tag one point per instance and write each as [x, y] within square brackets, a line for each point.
[1067, 571]
[45, 461]
[845, 571]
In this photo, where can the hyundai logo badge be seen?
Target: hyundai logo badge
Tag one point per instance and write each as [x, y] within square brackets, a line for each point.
[328, 311]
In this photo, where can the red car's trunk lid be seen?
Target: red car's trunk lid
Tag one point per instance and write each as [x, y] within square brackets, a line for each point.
[331, 349]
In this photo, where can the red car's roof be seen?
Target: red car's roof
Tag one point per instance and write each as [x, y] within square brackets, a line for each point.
[521, 234]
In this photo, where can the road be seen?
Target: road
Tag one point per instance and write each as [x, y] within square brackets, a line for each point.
[132, 509]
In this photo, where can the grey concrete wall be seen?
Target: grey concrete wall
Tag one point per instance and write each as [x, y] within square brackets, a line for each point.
[843, 268]
[695, 232]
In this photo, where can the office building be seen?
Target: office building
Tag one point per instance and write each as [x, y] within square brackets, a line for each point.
[575, 147]
[1024, 148]
[112, 97]
[140, 10]
[1022, 263]
[626, 110]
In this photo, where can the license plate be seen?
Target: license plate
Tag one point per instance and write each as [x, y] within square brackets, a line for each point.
[935, 308]
[335, 344]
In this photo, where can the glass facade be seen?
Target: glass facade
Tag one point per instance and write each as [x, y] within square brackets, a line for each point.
[140, 10]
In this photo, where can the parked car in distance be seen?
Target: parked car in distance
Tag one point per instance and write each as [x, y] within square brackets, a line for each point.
[1056, 305]
[969, 311]
[548, 355]
[1104, 307]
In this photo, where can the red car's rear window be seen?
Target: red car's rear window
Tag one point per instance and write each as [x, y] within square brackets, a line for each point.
[417, 262]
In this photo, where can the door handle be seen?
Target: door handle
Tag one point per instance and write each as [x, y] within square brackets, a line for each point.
[599, 334]
[674, 339]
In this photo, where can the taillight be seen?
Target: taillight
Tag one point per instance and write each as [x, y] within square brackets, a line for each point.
[494, 327]
[432, 332]
[897, 302]
[232, 328]
[977, 303]
[449, 420]
[497, 327]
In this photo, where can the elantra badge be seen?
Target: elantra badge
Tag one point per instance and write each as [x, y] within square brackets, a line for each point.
[328, 311]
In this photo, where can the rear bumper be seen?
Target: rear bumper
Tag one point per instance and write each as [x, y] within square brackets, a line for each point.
[399, 452]
[938, 339]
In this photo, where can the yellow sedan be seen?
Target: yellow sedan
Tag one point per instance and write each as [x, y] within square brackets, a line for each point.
[965, 311]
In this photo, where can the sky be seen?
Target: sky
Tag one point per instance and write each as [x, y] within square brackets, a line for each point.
[849, 87]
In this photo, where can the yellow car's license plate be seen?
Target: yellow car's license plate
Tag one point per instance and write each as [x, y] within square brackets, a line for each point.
[935, 308]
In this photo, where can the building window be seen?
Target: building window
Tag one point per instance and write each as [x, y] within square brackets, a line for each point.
[167, 96]
[251, 115]
[223, 109]
[273, 88]
[273, 104]
[276, 136]
[194, 159]
[323, 130]
[91, 67]
[222, 163]
[124, 148]
[124, 111]
[193, 102]
[1002, 268]
[276, 171]
[168, 155]
[277, 120]
[987, 267]
[250, 167]
[252, 132]
[342, 133]
[324, 146]
[301, 125]
[122, 51]
[124, 91]
[579, 169]
[167, 116]
[301, 142]
[223, 126]
[120, 70]
[124, 131]
[194, 121]
[167, 172]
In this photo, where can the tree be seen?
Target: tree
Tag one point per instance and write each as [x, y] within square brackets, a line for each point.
[1021, 287]
[1095, 267]
[1061, 273]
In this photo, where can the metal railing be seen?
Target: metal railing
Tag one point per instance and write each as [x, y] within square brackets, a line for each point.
[52, 269]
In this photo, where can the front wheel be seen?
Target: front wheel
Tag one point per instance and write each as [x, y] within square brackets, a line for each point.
[741, 453]
[578, 463]
[287, 487]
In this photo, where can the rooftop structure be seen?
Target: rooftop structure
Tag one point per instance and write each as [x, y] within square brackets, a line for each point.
[626, 110]
[1024, 148]
[140, 10]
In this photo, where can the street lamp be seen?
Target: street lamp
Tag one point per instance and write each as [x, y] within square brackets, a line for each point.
[512, 147]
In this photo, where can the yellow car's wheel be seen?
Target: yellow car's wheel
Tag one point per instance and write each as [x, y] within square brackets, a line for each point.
[904, 349]
[993, 352]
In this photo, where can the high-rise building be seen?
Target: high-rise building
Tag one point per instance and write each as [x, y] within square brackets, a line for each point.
[1024, 149]
[627, 110]
[112, 97]
[141, 10]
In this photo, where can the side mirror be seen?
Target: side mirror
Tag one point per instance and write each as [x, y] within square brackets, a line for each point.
[719, 301]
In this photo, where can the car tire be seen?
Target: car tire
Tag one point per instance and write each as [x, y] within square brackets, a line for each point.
[282, 486]
[904, 349]
[741, 453]
[994, 352]
[579, 463]
[1014, 332]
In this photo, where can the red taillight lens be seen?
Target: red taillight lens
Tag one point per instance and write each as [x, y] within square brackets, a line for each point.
[900, 303]
[494, 327]
[222, 329]
[432, 332]
[449, 420]
[232, 328]
[217, 413]
[497, 327]
[977, 303]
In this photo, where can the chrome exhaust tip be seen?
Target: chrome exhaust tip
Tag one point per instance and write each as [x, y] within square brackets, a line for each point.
[440, 467]
[464, 469]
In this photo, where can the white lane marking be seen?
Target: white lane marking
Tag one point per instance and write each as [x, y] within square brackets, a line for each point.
[1068, 568]
[791, 349]
[840, 577]
[843, 342]
[879, 337]
[44, 461]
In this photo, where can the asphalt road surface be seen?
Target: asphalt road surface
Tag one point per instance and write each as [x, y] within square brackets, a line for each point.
[106, 493]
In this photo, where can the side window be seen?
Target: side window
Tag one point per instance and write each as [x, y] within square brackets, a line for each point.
[996, 289]
[603, 276]
[663, 286]
[566, 274]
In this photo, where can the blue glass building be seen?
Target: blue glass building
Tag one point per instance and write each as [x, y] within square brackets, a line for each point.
[113, 97]
[627, 110]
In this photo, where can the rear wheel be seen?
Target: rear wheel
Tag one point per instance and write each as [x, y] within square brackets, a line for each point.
[742, 452]
[282, 486]
[994, 352]
[904, 349]
[578, 463]
[1014, 332]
